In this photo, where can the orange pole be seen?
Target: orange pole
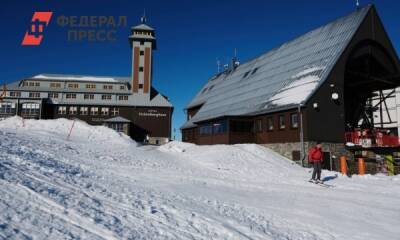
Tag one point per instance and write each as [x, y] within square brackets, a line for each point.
[361, 166]
[343, 165]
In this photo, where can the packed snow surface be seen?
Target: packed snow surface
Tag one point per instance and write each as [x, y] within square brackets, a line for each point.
[99, 184]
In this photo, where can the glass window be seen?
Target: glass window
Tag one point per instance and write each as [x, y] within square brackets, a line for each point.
[7, 108]
[122, 87]
[62, 110]
[83, 110]
[73, 85]
[104, 111]
[88, 96]
[29, 109]
[220, 127]
[70, 95]
[105, 97]
[115, 111]
[281, 121]
[119, 127]
[53, 95]
[34, 95]
[294, 120]
[123, 98]
[73, 110]
[94, 111]
[258, 125]
[206, 130]
[55, 85]
[270, 124]
[15, 94]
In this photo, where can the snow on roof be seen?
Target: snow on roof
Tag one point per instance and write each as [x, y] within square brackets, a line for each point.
[78, 78]
[143, 27]
[118, 119]
[277, 79]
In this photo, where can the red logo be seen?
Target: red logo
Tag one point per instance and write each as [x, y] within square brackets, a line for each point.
[34, 35]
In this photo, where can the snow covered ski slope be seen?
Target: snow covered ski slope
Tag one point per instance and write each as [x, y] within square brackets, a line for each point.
[101, 185]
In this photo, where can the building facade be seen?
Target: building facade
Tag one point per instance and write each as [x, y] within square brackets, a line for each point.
[313, 88]
[127, 104]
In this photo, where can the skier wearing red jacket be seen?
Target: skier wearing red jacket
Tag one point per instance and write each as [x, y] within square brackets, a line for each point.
[315, 157]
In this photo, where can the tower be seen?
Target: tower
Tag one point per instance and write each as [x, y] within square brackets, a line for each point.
[143, 42]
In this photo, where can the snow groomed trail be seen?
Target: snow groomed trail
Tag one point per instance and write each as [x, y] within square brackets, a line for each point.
[102, 185]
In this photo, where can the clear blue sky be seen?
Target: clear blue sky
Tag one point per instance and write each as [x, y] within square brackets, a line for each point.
[191, 34]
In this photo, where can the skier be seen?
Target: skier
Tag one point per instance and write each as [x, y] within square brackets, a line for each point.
[315, 157]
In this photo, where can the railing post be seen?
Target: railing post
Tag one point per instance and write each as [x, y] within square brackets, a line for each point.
[343, 165]
[361, 166]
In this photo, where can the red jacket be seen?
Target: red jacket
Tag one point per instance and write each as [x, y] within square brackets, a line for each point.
[315, 155]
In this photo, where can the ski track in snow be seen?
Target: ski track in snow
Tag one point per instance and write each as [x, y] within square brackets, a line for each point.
[101, 185]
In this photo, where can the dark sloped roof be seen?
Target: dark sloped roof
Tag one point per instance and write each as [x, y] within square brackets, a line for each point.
[280, 78]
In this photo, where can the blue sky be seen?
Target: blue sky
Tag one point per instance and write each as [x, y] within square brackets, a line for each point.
[191, 35]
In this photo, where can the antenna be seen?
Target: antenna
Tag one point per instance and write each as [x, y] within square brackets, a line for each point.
[218, 65]
[143, 18]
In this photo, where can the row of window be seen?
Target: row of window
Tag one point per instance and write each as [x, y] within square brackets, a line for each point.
[215, 128]
[70, 85]
[248, 126]
[71, 96]
[294, 122]
[27, 108]
[31, 84]
[94, 111]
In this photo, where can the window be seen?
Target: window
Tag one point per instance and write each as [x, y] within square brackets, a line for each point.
[219, 127]
[294, 120]
[206, 130]
[71, 96]
[91, 86]
[254, 71]
[25, 84]
[270, 124]
[210, 88]
[245, 75]
[15, 94]
[30, 109]
[123, 98]
[242, 126]
[94, 111]
[62, 110]
[141, 42]
[55, 85]
[140, 69]
[73, 110]
[88, 96]
[34, 95]
[53, 95]
[115, 112]
[281, 119]
[108, 87]
[141, 86]
[105, 97]
[73, 85]
[119, 127]
[37, 84]
[141, 53]
[104, 111]
[7, 108]
[259, 125]
[31, 84]
[83, 110]
[122, 87]
[204, 90]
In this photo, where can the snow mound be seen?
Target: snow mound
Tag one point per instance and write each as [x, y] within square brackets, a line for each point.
[60, 128]
[175, 146]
